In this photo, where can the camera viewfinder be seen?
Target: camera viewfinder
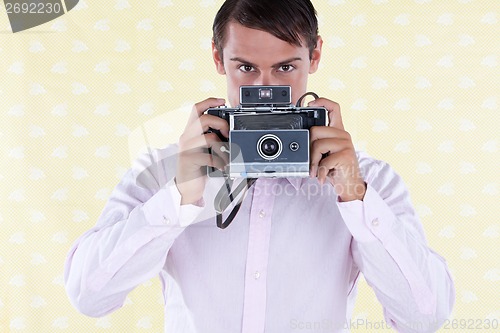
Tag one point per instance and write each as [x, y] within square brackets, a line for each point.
[266, 93]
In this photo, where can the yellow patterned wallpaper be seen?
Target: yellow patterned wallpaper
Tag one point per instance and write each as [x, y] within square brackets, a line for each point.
[418, 82]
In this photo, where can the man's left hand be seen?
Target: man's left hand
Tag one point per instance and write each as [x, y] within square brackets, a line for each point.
[333, 157]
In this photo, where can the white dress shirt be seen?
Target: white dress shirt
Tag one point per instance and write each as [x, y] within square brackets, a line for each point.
[288, 262]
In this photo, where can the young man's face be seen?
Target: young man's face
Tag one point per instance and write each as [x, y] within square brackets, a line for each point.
[255, 57]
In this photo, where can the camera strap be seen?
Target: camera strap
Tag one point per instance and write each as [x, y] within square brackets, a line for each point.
[224, 198]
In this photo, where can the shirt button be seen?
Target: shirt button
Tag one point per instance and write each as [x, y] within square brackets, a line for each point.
[262, 213]
[256, 275]
[166, 220]
[375, 223]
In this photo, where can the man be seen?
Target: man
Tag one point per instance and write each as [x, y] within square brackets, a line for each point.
[291, 258]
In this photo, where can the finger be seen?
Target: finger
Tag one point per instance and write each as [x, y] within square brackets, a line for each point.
[326, 166]
[213, 122]
[200, 107]
[203, 124]
[324, 132]
[331, 164]
[334, 115]
[198, 161]
[320, 148]
[206, 159]
[339, 165]
[200, 141]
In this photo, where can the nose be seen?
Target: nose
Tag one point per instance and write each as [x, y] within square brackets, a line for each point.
[266, 79]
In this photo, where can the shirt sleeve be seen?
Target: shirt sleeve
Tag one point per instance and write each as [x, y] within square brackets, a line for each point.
[411, 281]
[130, 241]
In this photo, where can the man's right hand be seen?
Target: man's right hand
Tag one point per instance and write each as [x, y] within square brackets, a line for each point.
[194, 156]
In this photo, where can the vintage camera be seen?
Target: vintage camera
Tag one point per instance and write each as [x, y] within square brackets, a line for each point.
[268, 136]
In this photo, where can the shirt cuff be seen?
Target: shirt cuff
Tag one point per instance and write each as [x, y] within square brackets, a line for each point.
[370, 219]
[164, 208]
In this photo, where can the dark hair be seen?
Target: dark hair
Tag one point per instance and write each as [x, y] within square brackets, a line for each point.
[293, 21]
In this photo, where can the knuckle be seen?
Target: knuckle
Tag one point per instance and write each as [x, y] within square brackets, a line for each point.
[348, 155]
[203, 119]
[323, 168]
[196, 108]
[203, 105]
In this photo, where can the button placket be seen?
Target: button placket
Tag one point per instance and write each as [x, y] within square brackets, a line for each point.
[257, 258]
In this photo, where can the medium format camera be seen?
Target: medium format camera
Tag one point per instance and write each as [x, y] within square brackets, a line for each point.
[268, 136]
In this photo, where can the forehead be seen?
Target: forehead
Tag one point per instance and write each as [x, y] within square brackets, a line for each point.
[257, 44]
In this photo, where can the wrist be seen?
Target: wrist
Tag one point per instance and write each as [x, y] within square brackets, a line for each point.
[189, 194]
[190, 201]
[353, 192]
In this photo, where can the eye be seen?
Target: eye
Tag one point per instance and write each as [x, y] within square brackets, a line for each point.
[286, 68]
[247, 68]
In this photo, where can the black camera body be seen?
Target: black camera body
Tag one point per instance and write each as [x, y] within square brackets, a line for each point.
[268, 136]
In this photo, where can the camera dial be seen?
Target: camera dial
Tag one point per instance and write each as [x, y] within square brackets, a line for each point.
[269, 147]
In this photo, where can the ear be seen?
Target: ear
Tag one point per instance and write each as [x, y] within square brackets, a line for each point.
[316, 56]
[219, 62]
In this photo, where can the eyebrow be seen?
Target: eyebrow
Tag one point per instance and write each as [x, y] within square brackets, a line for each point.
[281, 63]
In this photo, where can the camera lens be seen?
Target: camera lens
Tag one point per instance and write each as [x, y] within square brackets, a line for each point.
[269, 147]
